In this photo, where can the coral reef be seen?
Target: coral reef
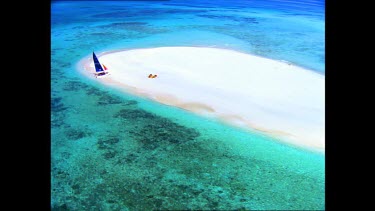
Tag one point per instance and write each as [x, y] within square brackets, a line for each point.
[74, 86]
[75, 134]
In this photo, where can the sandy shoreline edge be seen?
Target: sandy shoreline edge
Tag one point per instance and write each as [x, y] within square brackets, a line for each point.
[270, 96]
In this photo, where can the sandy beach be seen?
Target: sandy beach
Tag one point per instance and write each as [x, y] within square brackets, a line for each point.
[275, 97]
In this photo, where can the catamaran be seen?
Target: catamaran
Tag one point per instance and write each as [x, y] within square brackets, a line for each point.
[100, 69]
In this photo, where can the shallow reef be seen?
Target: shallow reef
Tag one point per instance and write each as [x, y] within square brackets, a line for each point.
[57, 105]
[108, 99]
[94, 91]
[75, 134]
[57, 112]
[149, 162]
[108, 145]
[134, 114]
[74, 86]
[153, 131]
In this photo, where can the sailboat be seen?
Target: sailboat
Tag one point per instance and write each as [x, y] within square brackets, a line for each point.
[100, 69]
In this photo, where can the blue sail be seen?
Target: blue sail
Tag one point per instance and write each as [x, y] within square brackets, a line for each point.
[98, 67]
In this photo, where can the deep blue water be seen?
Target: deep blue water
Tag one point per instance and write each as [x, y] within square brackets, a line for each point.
[106, 157]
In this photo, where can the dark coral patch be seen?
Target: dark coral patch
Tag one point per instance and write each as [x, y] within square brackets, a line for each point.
[95, 91]
[74, 86]
[107, 99]
[130, 103]
[75, 134]
[62, 207]
[167, 130]
[57, 105]
[155, 130]
[110, 154]
[134, 114]
[131, 157]
[107, 143]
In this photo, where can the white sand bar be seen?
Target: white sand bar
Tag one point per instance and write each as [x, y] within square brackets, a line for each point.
[275, 97]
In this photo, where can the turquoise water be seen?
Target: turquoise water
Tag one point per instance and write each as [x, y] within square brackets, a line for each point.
[115, 151]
